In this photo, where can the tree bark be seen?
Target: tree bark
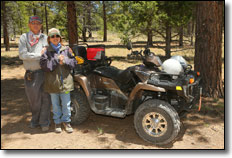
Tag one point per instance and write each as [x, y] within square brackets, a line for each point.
[149, 34]
[21, 27]
[194, 12]
[46, 16]
[84, 30]
[42, 17]
[5, 29]
[72, 23]
[189, 28]
[192, 32]
[34, 9]
[89, 18]
[181, 36]
[168, 41]
[105, 24]
[208, 47]
[149, 38]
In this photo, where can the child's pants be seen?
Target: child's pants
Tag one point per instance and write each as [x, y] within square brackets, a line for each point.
[61, 112]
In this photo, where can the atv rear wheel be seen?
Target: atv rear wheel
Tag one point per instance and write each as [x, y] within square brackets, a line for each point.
[157, 122]
[80, 109]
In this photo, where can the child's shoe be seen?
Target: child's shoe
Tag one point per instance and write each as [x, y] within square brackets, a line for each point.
[68, 127]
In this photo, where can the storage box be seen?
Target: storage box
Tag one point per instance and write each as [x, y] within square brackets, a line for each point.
[95, 52]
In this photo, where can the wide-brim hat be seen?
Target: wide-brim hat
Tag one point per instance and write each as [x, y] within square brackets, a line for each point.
[35, 18]
[53, 31]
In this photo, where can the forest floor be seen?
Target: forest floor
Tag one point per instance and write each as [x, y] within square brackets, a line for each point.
[200, 130]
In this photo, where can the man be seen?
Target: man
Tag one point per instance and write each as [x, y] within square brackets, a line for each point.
[30, 47]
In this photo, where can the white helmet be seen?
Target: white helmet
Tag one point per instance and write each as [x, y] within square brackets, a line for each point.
[181, 60]
[172, 66]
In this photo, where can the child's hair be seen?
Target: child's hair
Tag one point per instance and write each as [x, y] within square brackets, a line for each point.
[48, 39]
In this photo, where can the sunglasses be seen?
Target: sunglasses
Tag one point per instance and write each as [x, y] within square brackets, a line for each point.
[55, 36]
[34, 23]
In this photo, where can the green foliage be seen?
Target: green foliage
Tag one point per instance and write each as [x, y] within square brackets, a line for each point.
[58, 17]
[17, 16]
[135, 17]
[176, 13]
[129, 18]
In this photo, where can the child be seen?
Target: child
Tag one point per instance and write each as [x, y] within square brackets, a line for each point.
[57, 61]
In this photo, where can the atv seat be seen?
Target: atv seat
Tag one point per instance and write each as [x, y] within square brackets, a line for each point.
[121, 76]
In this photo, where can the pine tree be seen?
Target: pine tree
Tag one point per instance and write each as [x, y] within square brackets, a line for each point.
[72, 23]
[5, 26]
[208, 47]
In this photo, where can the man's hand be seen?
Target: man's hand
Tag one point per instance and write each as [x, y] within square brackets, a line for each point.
[43, 50]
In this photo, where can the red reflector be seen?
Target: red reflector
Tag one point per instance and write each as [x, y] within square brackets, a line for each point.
[191, 80]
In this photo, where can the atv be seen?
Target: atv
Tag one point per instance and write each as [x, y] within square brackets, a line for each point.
[157, 93]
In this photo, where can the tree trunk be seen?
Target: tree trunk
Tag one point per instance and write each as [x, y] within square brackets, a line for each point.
[72, 23]
[34, 9]
[189, 28]
[149, 38]
[42, 17]
[208, 47]
[181, 36]
[194, 12]
[84, 30]
[168, 41]
[89, 18]
[46, 17]
[5, 29]
[149, 34]
[21, 27]
[105, 24]
[192, 32]
[14, 30]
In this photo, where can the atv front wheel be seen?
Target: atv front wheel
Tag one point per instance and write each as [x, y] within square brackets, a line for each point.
[80, 109]
[157, 122]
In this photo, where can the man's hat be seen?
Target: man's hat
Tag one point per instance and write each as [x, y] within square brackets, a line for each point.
[34, 18]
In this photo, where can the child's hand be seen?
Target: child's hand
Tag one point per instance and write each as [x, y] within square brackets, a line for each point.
[61, 58]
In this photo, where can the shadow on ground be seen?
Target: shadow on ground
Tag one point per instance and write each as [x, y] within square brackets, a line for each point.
[15, 114]
[11, 62]
[15, 110]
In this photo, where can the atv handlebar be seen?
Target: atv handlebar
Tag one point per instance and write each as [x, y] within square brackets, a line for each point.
[142, 53]
[108, 59]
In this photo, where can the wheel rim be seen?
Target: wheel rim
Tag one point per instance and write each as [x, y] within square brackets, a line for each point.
[154, 124]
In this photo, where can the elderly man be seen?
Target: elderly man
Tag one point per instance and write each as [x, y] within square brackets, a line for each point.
[30, 47]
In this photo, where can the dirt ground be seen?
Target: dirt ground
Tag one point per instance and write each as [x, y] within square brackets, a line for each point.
[202, 130]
